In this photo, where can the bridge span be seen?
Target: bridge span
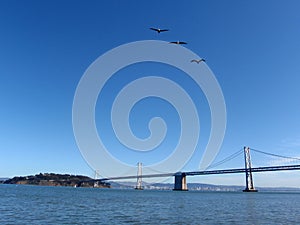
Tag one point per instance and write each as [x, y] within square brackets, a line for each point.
[180, 183]
[204, 172]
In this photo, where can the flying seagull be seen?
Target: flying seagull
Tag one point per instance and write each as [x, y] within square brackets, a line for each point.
[198, 60]
[158, 30]
[178, 42]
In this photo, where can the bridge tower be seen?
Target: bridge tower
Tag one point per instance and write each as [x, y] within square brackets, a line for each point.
[139, 177]
[180, 182]
[96, 176]
[249, 180]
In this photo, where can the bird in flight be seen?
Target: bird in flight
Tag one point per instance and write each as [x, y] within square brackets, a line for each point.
[198, 60]
[159, 30]
[178, 42]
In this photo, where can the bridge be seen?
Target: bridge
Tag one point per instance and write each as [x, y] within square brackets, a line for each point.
[180, 183]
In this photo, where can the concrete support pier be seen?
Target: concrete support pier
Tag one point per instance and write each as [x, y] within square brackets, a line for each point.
[180, 182]
[249, 190]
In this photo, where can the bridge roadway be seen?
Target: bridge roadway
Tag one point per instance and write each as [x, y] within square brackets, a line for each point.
[207, 172]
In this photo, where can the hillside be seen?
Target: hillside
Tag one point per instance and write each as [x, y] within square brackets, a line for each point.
[52, 179]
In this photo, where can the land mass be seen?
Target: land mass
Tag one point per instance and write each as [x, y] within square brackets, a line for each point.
[52, 179]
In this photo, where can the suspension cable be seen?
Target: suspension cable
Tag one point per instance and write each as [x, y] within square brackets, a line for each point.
[156, 171]
[232, 156]
[281, 156]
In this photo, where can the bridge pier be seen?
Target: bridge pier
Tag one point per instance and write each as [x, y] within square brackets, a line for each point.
[180, 182]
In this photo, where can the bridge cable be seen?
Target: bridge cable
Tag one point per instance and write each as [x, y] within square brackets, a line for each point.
[232, 156]
[281, 156]
[156, 171]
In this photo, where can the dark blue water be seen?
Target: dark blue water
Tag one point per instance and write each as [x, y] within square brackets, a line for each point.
[65, 205]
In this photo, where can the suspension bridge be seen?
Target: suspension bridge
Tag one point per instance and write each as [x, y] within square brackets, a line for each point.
[180, 181]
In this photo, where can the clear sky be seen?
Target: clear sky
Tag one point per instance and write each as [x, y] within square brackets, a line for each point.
[253, 48]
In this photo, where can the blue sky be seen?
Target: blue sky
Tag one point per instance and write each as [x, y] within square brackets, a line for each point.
[253, 48]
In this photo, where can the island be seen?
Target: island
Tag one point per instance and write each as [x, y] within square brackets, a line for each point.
[52, 179]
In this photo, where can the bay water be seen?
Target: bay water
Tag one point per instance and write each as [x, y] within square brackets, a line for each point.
[24, 204]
